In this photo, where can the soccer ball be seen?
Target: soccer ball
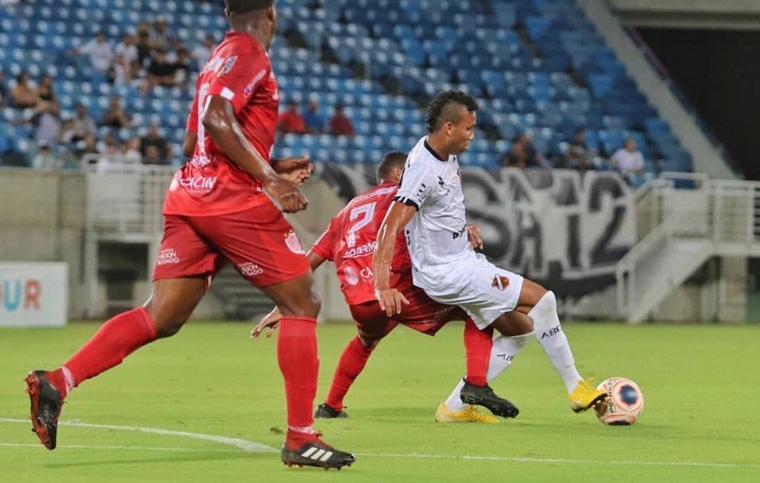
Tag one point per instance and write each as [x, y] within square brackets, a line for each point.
[624, 404]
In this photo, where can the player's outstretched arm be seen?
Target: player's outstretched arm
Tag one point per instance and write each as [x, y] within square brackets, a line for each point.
[391, 300]
[219, 120]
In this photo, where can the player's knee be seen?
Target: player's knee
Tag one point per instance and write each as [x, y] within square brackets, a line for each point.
[167, 324]
[545, 309]
[302, 307]
[368, 342]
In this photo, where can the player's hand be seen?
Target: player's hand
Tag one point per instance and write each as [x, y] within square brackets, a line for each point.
[473, 234]
[269, 322]
[285, 195]
[295, 170]
[391, 300]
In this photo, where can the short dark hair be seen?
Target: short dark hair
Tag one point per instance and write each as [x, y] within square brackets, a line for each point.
[390, 161]
[245, 6]
[438, 112]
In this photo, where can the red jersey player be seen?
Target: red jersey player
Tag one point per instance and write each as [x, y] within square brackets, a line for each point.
[349, 242]
[225, 204]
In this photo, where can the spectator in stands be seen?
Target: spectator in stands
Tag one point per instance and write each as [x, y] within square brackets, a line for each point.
[67, 132]
[153, 138]
[202, 53]
[160, 37]
[87, 146]
[99, 51]
[315, 122]
[45, 158]
[628, 160]
[128, 50]
[120, 72]
[144, 49]
[183, 68]
[340, 124]
[130, 151]
[579, 155]
[160, 73]
[48, 122]
[522, 154]
[23, 95]
[153, 157]
[291, 121]
[83, 124]
[115, 116]
[107, 144]
[46, 91]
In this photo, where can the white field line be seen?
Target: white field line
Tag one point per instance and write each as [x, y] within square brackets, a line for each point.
[248, 446]
[254, 447]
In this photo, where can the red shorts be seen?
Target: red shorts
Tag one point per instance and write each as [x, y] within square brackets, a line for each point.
[422, 314]
[259, 242]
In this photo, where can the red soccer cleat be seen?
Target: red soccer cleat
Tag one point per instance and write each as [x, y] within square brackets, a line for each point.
[46, 407]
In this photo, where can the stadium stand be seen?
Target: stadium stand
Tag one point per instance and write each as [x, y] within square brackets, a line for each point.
[536, 66]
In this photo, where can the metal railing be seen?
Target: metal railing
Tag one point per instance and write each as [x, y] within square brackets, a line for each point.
[724, 213]
[125, 198]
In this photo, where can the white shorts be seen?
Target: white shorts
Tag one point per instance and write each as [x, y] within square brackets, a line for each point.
[479, 287]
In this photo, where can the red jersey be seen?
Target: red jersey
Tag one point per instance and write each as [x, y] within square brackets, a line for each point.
[210, 183]
[350, 242]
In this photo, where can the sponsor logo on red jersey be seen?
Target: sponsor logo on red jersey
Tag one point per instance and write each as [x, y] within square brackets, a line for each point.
[226, 68]
[250, 269]
[351, 277]
[168, 256]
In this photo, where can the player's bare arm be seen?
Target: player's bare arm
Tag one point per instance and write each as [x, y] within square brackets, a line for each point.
[219, 120]
[296, 170]
[391, 300]
[189, 143]
[271, 321]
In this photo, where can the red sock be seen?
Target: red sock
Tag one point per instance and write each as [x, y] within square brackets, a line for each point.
[297, 358]
[351, 363]
[477, 346]
[114, 341]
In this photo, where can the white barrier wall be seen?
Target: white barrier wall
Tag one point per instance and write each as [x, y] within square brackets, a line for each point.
[33, 294]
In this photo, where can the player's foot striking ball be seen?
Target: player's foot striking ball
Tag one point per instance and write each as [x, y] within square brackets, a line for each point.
[585, 396]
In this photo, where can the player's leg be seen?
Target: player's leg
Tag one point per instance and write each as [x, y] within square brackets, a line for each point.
[372, 325]
[262, 246]
[515, 331]
[177, 289]
[541, 306]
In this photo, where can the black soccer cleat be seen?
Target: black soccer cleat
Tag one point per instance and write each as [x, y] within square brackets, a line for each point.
[484, 396]
[324, 411]
[316, 453]
[46, 407]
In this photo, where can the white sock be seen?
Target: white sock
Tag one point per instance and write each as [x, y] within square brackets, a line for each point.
[552, 338]
[68, 379]
[503, 352]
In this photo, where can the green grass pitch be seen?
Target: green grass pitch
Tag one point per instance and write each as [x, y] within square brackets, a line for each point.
[700, 422]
